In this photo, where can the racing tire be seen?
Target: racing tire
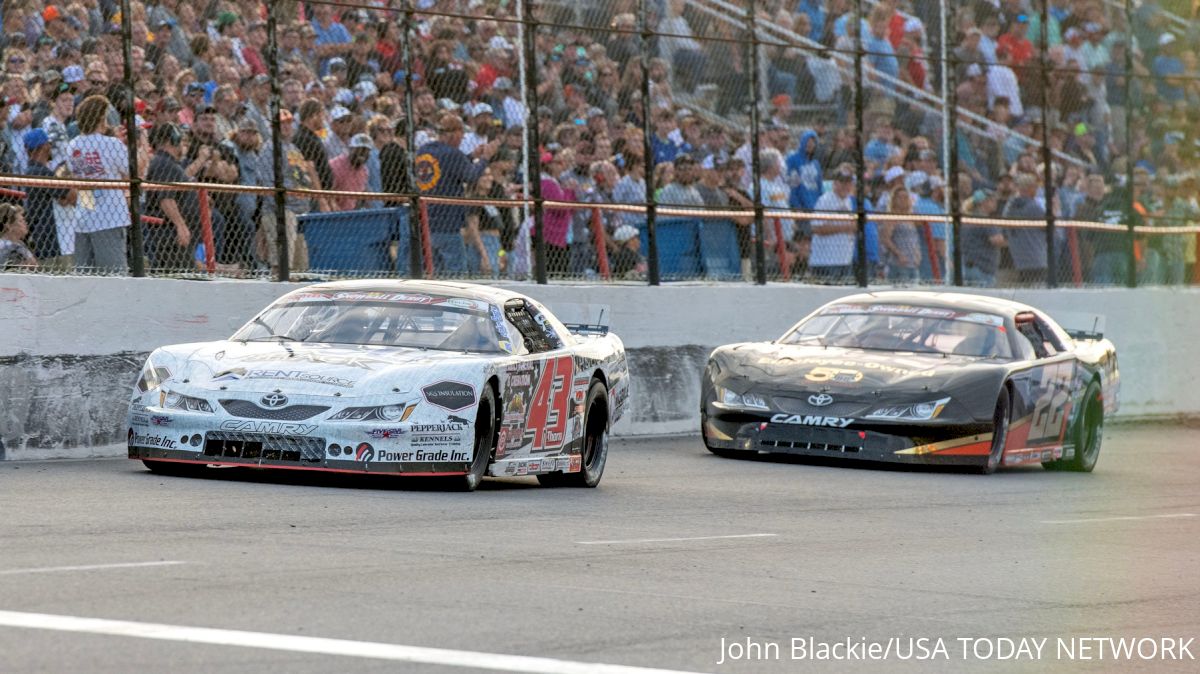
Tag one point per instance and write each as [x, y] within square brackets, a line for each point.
[1089, 434]
[595, 444]
[1000, 420]
[485, 441]
[174, 468]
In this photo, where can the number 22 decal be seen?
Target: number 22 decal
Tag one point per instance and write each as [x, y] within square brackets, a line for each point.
[550, 408]
[1050, 410]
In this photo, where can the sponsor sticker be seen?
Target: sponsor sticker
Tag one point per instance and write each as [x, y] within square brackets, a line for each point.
[149, 440]
[280, 427]
[811, 420]
[575, 464]
[835, 375]
[160, 420]
[139, 420]
[385, 433]
[450, 395]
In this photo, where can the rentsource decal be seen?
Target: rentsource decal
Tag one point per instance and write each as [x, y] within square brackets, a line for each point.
[450, 395]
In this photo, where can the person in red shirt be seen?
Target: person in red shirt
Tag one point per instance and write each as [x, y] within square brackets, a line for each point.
[350, 171]
[1020, 49]
[254, 44]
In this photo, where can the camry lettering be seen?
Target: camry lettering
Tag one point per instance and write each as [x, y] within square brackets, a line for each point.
[810, 420]
[268, 427]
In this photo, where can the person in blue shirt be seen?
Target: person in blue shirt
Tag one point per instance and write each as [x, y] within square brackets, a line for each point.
[882, 56]
[443, 170]
[929, 202]
[332, 37]
[815, 9]
[805, 172]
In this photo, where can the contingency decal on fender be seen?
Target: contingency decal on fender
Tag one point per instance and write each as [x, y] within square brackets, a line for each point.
[971, 445]
[450, 395]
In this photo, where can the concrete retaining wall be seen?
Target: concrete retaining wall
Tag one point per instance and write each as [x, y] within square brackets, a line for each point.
[70, 348]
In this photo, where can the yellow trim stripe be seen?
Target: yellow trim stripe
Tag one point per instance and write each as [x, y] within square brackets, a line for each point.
[946, 444]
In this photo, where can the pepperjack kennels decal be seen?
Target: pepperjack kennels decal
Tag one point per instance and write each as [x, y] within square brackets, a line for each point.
[400, 378]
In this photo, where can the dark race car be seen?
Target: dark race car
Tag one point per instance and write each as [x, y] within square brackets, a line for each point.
[916, 377]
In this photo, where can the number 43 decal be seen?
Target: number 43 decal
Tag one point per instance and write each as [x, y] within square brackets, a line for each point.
[550, 409]
[1050, 410]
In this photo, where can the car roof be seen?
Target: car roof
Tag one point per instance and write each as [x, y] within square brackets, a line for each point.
[472, 291]
[941, 300]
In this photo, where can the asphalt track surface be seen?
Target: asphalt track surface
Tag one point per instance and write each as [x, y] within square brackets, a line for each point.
[766, 550]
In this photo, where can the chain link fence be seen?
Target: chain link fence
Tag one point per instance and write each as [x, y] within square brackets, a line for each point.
[853, 142]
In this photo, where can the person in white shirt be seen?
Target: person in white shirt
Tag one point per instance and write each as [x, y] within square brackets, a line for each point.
[1002, 82]
[104, 214]
[832, 255]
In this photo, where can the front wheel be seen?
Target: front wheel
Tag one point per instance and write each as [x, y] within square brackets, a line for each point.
[1000, 419]
[485, 441]
[595, 444]
[1089, 433]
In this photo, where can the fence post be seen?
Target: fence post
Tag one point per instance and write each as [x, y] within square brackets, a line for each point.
[416, 206]
[280, 196]
[138, 261]
[760, 254]
[860, 187]
[1131, 267]
[1047, 155]
[533, 167]
[652, 267]
[951, 149]
[601, 245]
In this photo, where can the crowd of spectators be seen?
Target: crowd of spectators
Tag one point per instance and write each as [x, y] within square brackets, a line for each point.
[202, 88]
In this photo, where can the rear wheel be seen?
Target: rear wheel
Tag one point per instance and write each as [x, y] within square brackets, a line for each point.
[1000, 419]
[485, 441]
[1089, 433]
[595, 444]
[175, 468]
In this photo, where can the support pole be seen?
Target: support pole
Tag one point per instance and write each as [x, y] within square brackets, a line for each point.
[1047, 155]
[860, 191]
[652, 271]
[280, 200]
[533, 166]
[138, 262]
[760, 231]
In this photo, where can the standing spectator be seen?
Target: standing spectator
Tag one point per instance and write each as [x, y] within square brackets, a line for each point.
[1027, 244]
[170, 245]
[13, 251]
[443, 170]
[833, 240]
[482, 231]
[40, 201]
[298, 173]
[556, 222]
[683, 192]
[805, 173]
[209, 160]
[62, 106]
[95, 155]
[900, 241]
[246, 144]
[1002, 83]
[312, 122]
[393, 161]
[981, 244]
[631, 188]
[350, 171]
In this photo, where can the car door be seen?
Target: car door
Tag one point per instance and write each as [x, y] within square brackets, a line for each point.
[1044, 390]
[538, 414]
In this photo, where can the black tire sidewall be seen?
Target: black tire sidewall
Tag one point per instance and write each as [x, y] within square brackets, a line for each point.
[590, 474]
[999, 433]
[482, 447]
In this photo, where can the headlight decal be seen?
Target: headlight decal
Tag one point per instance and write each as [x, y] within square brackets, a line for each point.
[750, 401]
[399, 412]
[922, 411]
[178, 401]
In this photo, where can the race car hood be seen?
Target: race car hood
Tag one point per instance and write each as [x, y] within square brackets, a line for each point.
[315, 369]
[861, 375]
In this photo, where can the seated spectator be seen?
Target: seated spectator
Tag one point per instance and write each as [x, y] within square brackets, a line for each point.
[13, 251]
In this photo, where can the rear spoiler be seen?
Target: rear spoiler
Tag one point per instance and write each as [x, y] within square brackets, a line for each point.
[584, 319]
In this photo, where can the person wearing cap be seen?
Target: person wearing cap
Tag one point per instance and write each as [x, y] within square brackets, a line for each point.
[62, 107]
[170, 245]
[981, 244]
[298, 173]
[445, 171]
[626, 261]
[94, 155]
[312, 122]
[209, 160]
[40, 202]
[1168, 70]
[341, 126]
[832, 254]
[1002, 83]
[479, 117]
[247, 143]
[349, 171]
[511, 108]
[258, 104]
[682, 190]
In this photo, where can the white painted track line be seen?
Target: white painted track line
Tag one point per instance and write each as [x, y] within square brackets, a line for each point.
[1130, 518]
[87, 567]
[297, 644]
[673, 540]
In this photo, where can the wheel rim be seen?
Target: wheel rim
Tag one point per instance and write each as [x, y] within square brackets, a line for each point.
[999, 436]
[595, 437]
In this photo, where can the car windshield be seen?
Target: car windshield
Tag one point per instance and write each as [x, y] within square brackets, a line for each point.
[888, 327]
[383, 319]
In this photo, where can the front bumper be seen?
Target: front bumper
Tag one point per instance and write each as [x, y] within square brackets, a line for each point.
[946, 445]
[351, 447]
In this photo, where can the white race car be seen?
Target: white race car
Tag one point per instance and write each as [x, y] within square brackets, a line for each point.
[395, 377]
